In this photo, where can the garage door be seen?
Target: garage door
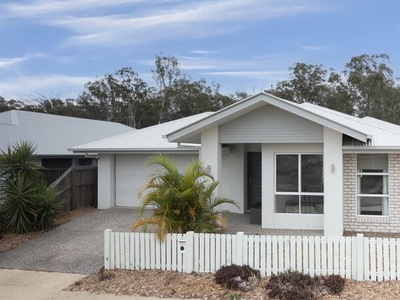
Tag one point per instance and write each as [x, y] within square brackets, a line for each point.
[132, 174]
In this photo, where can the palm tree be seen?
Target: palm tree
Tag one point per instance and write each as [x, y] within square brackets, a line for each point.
[182, 201]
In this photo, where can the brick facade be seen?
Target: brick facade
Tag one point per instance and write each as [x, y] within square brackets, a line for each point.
[352, 222]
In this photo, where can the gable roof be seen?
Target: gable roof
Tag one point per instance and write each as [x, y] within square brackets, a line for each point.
[373, 133]
[53, 134]
[149, 139]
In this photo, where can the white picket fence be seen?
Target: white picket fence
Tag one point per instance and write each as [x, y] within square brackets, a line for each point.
[357, 257]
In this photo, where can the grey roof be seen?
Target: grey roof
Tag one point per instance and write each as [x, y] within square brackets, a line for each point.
[149, 139]
[375, 133]
[53, 134]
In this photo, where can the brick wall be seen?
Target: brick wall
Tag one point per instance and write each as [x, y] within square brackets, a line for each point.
[351, 221]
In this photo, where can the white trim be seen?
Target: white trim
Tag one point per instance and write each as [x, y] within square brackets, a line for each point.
[299, 193]
[252, 103]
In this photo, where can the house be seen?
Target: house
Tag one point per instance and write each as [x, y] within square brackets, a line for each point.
[306, 166]
[53, 134]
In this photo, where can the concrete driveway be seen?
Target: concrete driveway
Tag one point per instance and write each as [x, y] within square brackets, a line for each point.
[77, 246]
[74, 247]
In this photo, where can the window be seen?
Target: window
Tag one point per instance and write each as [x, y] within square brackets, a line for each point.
[299, 187]
[372, 184]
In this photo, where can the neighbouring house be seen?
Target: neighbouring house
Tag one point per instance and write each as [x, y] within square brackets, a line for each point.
[300, 166]
[53, 134]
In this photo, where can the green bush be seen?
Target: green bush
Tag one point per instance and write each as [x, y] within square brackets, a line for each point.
[182, 201]
[28, 204]
[235, 277]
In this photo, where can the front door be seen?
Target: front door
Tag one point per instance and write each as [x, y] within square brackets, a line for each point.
[253, 179]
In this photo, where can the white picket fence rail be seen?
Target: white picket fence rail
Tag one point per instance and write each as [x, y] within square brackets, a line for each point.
[357, 257]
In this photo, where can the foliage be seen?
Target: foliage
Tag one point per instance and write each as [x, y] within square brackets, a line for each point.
[365, 87]
[335, 283]
[293, 285]
[28, 204]
[18, 159]
[182, 201]
[233, 276]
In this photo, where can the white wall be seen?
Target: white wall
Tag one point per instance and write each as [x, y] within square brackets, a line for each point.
[333, 183]
[106, 181]
[270, 219]
[211, 153]
[232, 180]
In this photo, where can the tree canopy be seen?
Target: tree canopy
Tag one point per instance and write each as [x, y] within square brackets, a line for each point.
[365, 87]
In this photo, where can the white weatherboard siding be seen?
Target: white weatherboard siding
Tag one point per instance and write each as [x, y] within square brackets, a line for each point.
[132, 173]
[333, 183]
[270, 219]
[269, 124]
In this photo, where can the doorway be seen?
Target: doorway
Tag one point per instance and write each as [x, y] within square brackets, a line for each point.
[254, 180]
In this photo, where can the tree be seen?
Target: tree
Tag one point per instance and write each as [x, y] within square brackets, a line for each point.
[371, 80]
[183, 201]
[306, 84]
[132, 91]
[165, 74]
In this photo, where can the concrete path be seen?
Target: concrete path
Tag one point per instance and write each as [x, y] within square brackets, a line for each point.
[32, 285]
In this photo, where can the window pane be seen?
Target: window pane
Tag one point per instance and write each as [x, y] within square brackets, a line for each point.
[375, 185]
[372, 162]
[312, 204]
[287, 175]
[376, 206]
[312, 173]
[287, 204]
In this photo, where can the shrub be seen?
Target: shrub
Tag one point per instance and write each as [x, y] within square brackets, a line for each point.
[28, 204]
[334, 283]
[233, 276]
[183, 201]
[293, 285]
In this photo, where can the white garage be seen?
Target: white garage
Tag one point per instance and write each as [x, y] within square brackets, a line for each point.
[131, 173]
[122, 169]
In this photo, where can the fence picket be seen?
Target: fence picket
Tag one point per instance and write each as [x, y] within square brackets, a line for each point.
[392, 251]
[358, 257]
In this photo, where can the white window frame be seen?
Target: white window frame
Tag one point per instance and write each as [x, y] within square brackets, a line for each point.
[299, 193]
[383, 196]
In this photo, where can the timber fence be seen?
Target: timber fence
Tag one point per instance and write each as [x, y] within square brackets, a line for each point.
[356, 257]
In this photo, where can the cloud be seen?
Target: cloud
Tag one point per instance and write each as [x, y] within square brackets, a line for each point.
[265, 75]
[21, 88]
[130, 23]
[6, 63]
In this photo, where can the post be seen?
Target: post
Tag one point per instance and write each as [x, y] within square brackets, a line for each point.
[189, 252]
[239, 248]
[107, 249]
[360, 257]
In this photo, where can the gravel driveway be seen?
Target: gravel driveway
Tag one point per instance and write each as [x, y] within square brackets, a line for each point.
[77, 246]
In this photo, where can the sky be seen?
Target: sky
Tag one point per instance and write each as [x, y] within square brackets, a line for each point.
[51, 48]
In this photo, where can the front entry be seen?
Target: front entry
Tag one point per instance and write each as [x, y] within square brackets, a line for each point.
[253, 179]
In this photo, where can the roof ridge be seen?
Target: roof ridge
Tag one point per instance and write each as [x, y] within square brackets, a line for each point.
[354, 118]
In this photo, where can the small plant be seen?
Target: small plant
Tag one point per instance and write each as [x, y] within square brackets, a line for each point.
[293, 285]
[243, 278]
[334, 283]
[235, 296]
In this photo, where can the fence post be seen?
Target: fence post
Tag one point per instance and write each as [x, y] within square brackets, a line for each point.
[360, 257]
[107, 248]
[239, 248]
[189, 252]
